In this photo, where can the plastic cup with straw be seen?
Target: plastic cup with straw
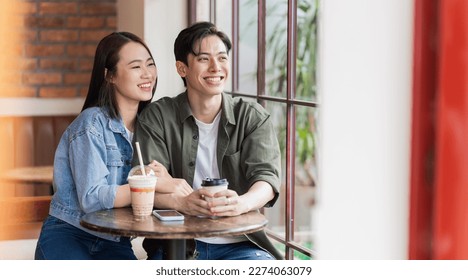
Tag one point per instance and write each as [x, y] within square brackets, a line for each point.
[142, 189]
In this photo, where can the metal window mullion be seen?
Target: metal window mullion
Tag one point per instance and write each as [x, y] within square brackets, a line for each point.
[213, 11]
[192, 11]
[294, 245]
[235, 45]
[277, 99]
[261, 47]
[290, 125]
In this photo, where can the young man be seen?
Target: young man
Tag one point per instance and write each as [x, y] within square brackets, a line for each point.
[205, 133]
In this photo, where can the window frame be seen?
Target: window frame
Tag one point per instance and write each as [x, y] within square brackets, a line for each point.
[289, 101]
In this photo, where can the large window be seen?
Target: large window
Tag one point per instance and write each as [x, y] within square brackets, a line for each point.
[273, 61]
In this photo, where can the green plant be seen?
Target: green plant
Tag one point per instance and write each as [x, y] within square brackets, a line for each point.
[297, 255]
[306, 50]
[305, 90]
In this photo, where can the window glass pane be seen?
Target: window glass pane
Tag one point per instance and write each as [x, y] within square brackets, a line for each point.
[306, 49]
[224, 23]
[203, 10]
[305, 174]
[248, 37]
[300, 256]
[276, 214]
[276, 47]
[305, 165]
[224, 17]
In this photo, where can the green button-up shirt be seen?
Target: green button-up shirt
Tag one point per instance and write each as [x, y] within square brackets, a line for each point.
[247, 149]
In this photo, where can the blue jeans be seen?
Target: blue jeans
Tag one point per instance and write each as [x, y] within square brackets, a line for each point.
[61, 241]
[235, 251]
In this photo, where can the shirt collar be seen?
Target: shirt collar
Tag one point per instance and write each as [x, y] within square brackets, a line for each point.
[228, 109]
[227, 113]
[184, 106]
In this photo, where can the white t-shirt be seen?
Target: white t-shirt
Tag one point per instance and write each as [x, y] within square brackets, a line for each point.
[129, 133]
[206, 166]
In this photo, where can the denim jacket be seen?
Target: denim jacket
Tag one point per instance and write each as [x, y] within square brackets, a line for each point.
[92, 159]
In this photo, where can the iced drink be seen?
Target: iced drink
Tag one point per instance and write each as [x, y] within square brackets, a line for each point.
[214, 186]
[142, 191]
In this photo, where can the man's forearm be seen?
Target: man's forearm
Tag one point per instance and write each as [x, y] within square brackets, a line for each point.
[259, 194]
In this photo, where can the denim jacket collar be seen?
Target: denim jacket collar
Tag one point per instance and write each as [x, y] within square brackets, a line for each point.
[115, 124]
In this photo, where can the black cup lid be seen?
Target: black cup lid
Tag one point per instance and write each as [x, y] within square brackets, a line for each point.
[213, 182]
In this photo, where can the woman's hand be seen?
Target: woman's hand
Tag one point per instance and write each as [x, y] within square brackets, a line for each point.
[159, 169]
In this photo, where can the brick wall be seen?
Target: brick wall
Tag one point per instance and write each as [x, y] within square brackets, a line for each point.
[58, 39]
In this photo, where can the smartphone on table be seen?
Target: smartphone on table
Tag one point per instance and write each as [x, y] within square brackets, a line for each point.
[168, 215]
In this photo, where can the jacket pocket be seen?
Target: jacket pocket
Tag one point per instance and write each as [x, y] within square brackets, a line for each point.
[114, 157]
[114, 163]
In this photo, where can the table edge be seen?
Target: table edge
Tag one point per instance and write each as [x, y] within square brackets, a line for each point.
[185, 235]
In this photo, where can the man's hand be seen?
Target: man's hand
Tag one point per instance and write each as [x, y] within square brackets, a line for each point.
[227, 203]
[258, 195]
[175, 186]
[194, 204]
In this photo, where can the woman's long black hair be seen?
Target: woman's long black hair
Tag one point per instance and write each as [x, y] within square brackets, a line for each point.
[101, 93]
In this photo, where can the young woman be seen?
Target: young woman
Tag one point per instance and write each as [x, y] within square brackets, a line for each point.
[94, 155]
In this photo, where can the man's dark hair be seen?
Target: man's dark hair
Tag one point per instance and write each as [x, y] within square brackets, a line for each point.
[188, 38]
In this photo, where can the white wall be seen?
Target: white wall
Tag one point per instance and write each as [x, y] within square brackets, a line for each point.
[31, 106]
[158, 22]
[365, 89]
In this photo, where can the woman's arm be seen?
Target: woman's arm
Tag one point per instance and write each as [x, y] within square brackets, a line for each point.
[122, 196]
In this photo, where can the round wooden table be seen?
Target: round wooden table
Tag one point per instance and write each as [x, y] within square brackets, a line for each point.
[120, 221]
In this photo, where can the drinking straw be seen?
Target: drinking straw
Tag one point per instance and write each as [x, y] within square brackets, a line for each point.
[142, 167]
